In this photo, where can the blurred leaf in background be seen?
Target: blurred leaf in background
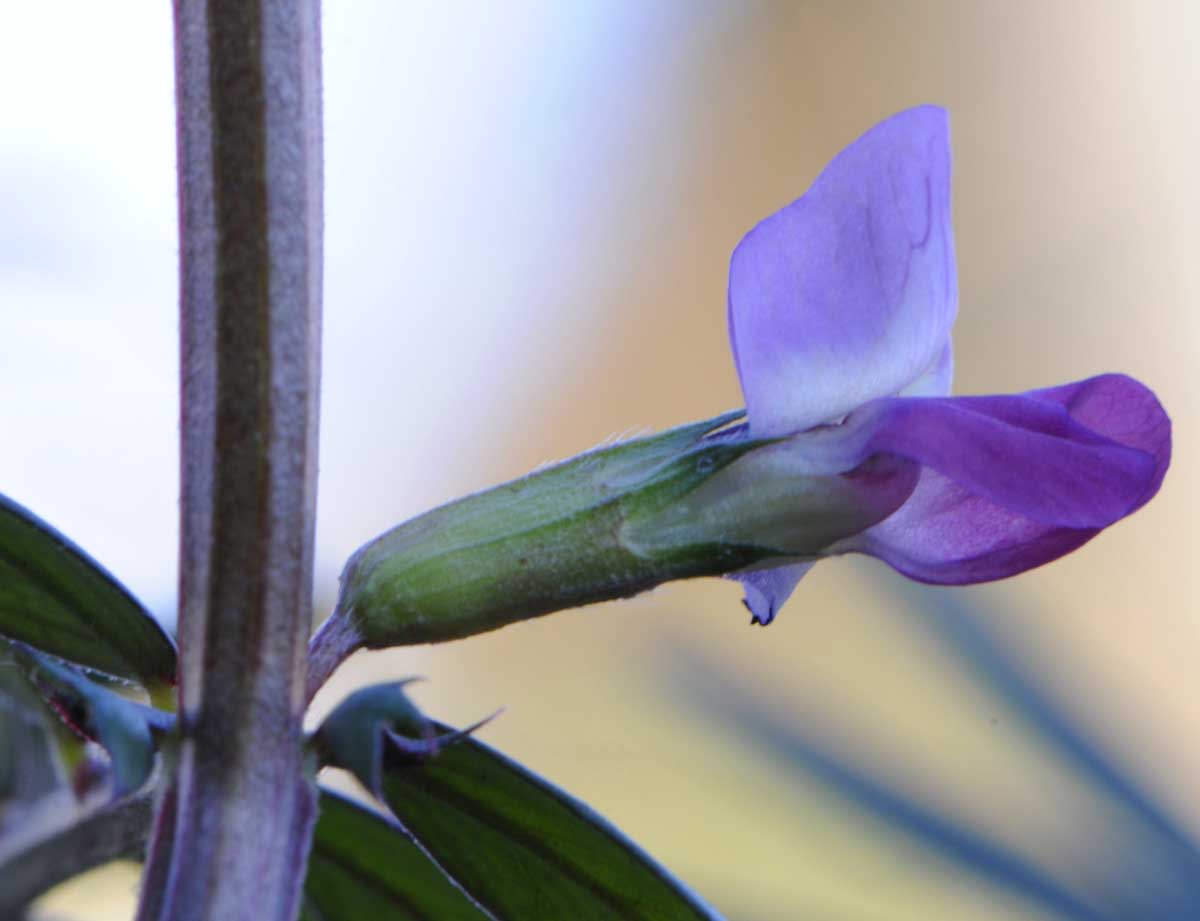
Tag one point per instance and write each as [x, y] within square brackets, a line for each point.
[1146, 865]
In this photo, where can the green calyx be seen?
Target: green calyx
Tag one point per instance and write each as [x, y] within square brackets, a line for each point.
[692, 501]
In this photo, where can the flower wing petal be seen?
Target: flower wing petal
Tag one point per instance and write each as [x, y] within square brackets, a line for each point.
[1010, 483]
[849, 293]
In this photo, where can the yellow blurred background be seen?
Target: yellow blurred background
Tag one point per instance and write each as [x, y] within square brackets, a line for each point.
[530, 214]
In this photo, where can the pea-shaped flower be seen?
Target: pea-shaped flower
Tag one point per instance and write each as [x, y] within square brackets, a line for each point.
[840, 312]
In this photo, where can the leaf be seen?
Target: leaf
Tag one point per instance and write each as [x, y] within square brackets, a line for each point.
[364, 867]
[939, 832]
[524, 849]
[1166, 878]
[57, 598]
[963, 630]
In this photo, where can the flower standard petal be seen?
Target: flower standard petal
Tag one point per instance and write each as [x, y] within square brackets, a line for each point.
[848, 293]
[937, 379]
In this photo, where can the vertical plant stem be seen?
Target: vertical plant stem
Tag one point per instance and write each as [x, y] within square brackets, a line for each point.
[249, 122]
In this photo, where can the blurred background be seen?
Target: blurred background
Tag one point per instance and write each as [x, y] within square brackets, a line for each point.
[530, 210]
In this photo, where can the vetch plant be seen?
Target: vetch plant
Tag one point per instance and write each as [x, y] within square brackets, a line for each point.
[840, 310]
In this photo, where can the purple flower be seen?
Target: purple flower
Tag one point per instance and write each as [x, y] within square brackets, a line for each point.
[840, 310]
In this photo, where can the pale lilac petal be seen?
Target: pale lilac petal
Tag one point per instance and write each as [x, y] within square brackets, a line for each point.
[937, 380]
[767, 589]
[849, 293]
[1010, 483]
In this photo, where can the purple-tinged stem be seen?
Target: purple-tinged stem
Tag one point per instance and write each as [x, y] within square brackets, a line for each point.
[248, 82]
[330, 646]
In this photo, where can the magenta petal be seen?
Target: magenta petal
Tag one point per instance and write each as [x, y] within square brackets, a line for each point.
[849, 293]
[1013, 482]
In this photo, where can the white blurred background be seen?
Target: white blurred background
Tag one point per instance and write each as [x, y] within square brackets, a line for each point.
[530, 209]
